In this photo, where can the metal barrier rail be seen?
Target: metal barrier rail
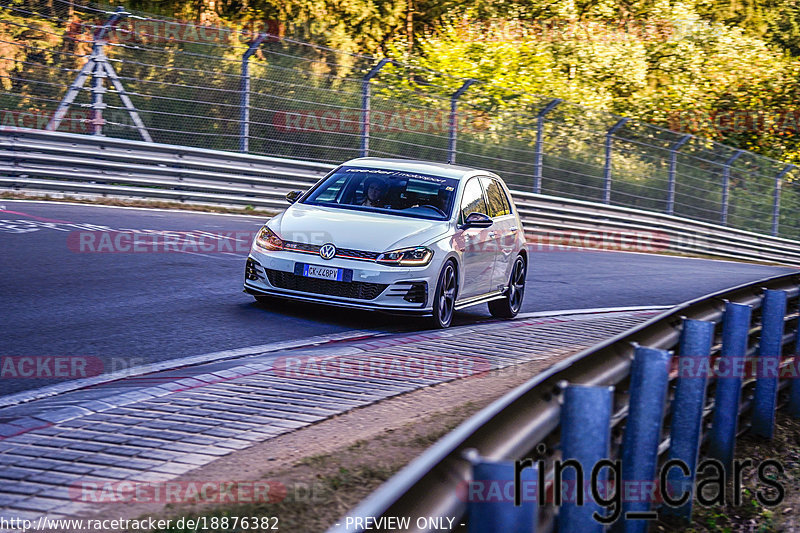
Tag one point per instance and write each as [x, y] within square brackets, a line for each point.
[568, 412]
[69, 163]
[63, 163]
[548, 219]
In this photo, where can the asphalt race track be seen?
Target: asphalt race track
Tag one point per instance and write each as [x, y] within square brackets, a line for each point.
[129, 309]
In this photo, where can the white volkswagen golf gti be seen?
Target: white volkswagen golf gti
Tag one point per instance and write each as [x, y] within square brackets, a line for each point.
[398, 236]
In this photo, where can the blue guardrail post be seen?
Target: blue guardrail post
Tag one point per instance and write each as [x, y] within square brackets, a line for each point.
[770, 349]
[494, 510]
[687, 413]
[648, 395]
[585, 438]
[722, 438]
[794, 385]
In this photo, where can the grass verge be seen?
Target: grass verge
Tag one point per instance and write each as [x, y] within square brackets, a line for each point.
[752, 516]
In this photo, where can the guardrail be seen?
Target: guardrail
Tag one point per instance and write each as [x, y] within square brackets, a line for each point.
[549, 218]
[70, 163]
[56, 162]
[577, 410]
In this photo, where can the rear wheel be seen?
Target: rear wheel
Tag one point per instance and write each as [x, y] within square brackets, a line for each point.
[444, 299]
[511, 303]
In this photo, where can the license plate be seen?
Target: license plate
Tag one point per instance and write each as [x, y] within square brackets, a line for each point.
[321, 272]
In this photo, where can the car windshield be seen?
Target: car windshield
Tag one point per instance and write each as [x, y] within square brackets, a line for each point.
[395, 192]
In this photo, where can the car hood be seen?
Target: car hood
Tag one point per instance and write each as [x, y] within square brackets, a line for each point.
[352, 229]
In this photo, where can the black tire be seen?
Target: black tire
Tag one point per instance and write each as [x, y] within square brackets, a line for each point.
[444, 299]
[511, 303]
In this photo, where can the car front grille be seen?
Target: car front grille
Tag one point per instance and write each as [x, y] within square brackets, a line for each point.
[357, 254]
[344, 289]
[345, 253]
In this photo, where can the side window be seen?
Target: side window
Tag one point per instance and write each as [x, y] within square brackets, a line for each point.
[472, 200]
[498, 203]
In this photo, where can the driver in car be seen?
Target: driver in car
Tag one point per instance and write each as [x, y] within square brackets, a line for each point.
[375, 189]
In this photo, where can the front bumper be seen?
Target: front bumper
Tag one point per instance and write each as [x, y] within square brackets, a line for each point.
[373, 286]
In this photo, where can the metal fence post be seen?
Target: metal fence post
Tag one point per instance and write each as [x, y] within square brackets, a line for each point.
[776, 199]
[98, 88]
[770, 349]
[489, 507]
[454, 118]
[99, 71]
[244, 112]
[365, 104]
[673, 163]
[722, 439]
[585, 438]
[687, 412]
[539, 150]
[726, 186]
[607, 168]
[648, 395]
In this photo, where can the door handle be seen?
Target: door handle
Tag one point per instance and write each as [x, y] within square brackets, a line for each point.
[492, 234]
[513, 229]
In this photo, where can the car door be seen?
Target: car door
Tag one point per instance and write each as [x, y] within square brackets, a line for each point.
[503, 231]
[477, 261]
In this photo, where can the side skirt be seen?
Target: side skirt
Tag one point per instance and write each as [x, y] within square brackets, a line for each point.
[496, 295]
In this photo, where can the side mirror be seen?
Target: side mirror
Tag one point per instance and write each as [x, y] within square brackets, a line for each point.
[477, 220]
[293, 196]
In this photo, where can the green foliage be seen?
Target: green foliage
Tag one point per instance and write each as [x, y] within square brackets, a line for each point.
[725, 71]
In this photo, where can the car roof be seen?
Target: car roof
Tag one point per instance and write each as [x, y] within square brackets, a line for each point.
[422, 167]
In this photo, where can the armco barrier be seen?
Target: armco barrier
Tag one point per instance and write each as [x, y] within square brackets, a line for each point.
[70, 163]
[57, 162]
[630, 400]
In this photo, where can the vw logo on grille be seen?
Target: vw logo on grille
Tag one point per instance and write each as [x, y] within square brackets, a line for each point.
[328, 251]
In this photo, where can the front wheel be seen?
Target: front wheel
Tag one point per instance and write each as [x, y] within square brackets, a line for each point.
[444, 299]
[511, 303]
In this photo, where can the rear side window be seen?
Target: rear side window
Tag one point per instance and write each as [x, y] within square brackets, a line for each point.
[472, 200]
[498, 202]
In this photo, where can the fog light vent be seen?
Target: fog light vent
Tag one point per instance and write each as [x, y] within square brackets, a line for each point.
[417, 293]
[251, 270]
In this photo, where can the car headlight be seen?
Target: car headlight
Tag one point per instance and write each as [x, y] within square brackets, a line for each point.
[268, 240]
[417, 256]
